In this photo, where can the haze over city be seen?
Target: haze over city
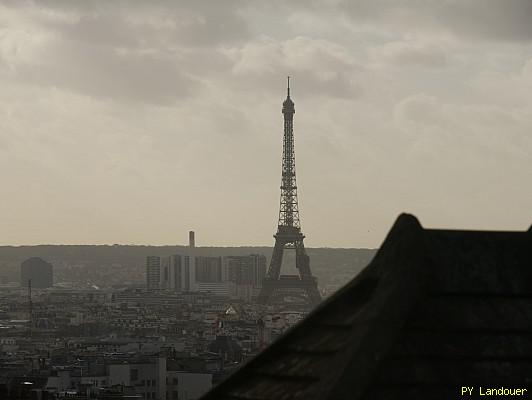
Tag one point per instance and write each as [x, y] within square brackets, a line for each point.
[134, 122]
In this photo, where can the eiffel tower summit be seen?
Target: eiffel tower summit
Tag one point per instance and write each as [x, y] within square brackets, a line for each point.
[289, 235]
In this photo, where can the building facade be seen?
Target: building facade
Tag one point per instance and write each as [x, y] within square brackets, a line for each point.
[245, 270]
[208, 269]
[153, 272]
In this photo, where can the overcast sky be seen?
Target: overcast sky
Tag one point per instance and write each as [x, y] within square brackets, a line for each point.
[136, 121]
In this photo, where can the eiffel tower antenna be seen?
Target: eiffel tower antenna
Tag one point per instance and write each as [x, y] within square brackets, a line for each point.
[289, 235]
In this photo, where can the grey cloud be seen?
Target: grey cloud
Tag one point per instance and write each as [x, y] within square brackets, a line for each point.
[305, 83]
[319, 68]
[195, 23]
[411, 54]
[477, 129]
[101, 29]
[482, 19]
[488, 19]
[106, 73]
[214, 23]
[420, 109]
[127, 50]
[339, 85]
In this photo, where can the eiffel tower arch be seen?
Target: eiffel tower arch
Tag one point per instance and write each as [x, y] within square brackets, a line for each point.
[289, 235]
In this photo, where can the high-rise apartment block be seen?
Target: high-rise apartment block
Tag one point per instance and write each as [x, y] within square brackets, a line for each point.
[153, 272]
[245, 270]
[178, 273]
[209, 269]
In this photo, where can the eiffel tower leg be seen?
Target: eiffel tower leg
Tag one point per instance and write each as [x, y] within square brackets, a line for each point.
[303, 266]
[302, 261]
[313, 293]
[274, 270]
[277, 258]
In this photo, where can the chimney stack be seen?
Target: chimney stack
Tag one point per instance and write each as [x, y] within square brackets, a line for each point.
[191, 240]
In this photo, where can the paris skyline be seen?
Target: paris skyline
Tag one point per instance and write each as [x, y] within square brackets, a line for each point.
[135, 123]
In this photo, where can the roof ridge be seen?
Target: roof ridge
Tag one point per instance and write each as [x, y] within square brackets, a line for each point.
[401, 257]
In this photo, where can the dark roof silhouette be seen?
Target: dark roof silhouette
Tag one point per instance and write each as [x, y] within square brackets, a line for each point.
[435, 310]
[224, 344]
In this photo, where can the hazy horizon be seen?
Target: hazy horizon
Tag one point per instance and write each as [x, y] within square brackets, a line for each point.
[180, 245]
[135, 122]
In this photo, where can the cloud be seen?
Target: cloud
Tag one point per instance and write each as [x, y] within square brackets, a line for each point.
[110, 74]
[487, 19]
[126, 51]
[474, 131]
[320, 68]
[406, 53]
[194, 23]
[527, 71]
[420, 109]
[102, 55]
[479, 19]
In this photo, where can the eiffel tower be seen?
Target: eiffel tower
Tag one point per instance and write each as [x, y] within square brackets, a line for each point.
[289, 235]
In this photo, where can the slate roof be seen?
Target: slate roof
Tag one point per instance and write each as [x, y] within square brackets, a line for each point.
[435, 310]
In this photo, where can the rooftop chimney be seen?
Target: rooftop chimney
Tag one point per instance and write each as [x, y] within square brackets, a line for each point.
[191, 240]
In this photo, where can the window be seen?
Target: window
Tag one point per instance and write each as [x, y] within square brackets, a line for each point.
[175, 396]
[174, 381]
